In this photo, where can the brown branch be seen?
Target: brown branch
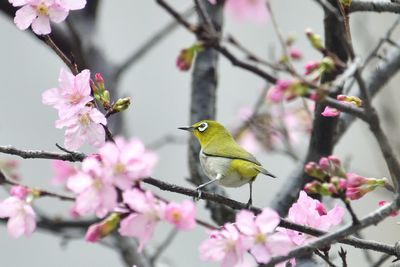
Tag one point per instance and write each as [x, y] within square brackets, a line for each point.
[355, 242]
[41, 154]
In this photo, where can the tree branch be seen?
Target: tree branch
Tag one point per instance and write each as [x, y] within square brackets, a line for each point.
[374, 6]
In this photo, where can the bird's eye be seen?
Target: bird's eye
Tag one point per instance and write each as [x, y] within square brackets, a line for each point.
[202, 127]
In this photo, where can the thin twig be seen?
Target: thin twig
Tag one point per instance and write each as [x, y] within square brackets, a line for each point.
[372, 218]
[61, 54]
[325, 258]
[42, 193]
[381, 260]
[164, 245]
[41, 154]
[151, 43]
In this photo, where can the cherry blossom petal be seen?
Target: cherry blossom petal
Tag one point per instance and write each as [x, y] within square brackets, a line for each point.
[74, 4]
[24, 17]
[260, 253]
[267, 220]
[57, 14]
[245, 222]
[41, 25]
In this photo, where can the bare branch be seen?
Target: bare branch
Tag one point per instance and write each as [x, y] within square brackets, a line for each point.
[374, 6]
[41, 154]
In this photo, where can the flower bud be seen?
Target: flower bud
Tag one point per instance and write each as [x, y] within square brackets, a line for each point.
[186, 56]
[295, 53]
[358, 186]
[324, 164]
[312, 187]
[121, 104]
[99, 230]
[314, 39]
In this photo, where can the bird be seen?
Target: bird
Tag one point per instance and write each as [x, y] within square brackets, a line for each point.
[222, 159]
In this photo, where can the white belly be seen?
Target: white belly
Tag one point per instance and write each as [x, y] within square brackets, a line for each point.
[212, 166]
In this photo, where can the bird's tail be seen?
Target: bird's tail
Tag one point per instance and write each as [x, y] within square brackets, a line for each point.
[265, 172]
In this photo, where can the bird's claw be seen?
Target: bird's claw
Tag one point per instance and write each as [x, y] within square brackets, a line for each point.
[249, 205]
[199, 192]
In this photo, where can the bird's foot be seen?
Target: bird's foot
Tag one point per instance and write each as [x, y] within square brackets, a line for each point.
[199, 193]
[249, 204]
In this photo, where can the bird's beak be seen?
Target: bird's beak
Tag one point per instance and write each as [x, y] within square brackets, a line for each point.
[186, 128]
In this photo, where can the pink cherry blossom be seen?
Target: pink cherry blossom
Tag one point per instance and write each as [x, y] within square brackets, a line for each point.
[330, 112]
[181, 215]
[21, 216]
[39, 13]
[147, 212]
[62, 171]
[311, 212]
[226, 245]
[266, 242]
[250, 10]
[126, 162]
[85, 125]
[94, 195]
[72, 93]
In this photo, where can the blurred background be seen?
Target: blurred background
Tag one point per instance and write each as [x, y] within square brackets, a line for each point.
[160, 103]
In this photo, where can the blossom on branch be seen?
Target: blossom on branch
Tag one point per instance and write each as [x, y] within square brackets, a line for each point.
[72, 99]
[17, 208]
[227, 245]
[85, 125]
[181, 214]
[266, 242]
[147, 212]
[94, 193]
[39, 13]
[126, 162]
[72, 93]
[311, 212]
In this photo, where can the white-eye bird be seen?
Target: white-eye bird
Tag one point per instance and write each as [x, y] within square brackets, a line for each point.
[222, 159]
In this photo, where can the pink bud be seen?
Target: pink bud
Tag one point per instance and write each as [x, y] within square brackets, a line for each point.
[335, 160]
[311, 66]
[309, 167]
[320, 208]
[354, 180]
[295, 53]
[99, 78]
[274, 95]
[341, 97]
[19, 191]
[324, 164]
[342, 184]
[99, 230]
[332, 188]
[330, 112]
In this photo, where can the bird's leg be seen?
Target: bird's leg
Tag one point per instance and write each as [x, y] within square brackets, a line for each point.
[219, 176]
[250, 202]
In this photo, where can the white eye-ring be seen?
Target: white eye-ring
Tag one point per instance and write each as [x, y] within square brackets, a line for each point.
[203, 127]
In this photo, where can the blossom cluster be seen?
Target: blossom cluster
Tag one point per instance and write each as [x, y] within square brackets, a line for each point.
[39, 13]
[348, 100]
[76, 111]
[261, 236]
[332, 180]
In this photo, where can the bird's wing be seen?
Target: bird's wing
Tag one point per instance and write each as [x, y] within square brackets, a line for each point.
[229, 150]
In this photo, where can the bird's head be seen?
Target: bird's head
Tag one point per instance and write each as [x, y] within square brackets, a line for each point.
[207, 130]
